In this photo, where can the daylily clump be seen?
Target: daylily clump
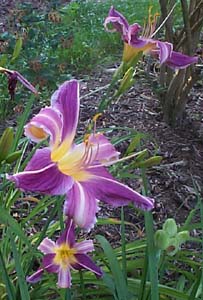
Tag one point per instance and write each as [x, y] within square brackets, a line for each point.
[75, 170]
[64, 255]
[134, 42]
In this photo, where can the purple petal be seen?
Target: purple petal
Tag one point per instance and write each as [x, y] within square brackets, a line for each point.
[133, 37]
[48, 263]
[46, 122]
[117, 194]
[118, 21]
[41, 175]
[100, 171]
[178, 60]
[85, 262]
[84, 246]
[66, 100]
[81, 205]
[165, 50]
[42, 156]
[103, 150]
[47, 246]
[26, 83]
[68, 235]
[35, 277]
[64, 278]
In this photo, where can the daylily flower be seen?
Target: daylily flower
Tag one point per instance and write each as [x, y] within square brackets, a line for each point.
[77, 170]
[13, 77]
[63, 255]
[135, 43]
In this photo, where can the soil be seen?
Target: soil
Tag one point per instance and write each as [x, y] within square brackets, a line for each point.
[174, 183]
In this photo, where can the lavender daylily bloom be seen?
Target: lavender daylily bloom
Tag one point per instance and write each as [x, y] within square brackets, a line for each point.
[77, 170]
[135, 43]
[63, 255]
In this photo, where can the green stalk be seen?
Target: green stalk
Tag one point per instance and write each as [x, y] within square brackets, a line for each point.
[67, 294]
[82, 285]
[60, 211]
[142, 287]
[151, 249]
[107, 99]
[124, 264]
[42, 235]
[23, 119]
[10, 290]
[22, 288]
[201, 214]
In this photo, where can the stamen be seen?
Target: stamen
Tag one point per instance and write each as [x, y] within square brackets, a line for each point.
[95, 118]
[109, 163]
[144, 28]
[86, 138]
[153, 23]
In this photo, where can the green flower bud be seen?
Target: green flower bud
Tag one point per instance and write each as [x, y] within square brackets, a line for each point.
[126, 82]
[6, 142]
[13, 156]
[183, 236]
[155, 160]
[161, 239]
[173, 247]
[170, 227]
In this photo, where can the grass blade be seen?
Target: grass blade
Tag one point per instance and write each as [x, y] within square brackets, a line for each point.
[7, 220]
[9, 286]
[21, 276]
[22, 122]
[151, 249]
[118, 276]
[124, 263]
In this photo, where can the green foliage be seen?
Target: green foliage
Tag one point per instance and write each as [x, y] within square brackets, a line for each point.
[62, 42]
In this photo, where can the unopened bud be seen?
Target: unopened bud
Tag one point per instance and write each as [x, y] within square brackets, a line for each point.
[152, 161]
[126, 82]
[6, 142]
[161, 239]
[173, 247]
[170, 227]
[183, 236]
[13, 157]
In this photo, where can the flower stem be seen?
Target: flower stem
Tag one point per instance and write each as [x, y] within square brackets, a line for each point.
[151, 249]
[201, 214]
[82, 285]
[68, 294]
[124, 265]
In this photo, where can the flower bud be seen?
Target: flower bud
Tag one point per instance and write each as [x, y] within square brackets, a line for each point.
[150, 162]
[13, 157]
[126, 82]
[170, 227]
[173, 247]
[183, 236]
[161, 239]
[6, 142]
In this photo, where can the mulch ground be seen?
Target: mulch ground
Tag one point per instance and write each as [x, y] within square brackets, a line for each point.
[174, 183]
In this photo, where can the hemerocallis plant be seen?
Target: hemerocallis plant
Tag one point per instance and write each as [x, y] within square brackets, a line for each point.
[135, 43]
[63, 255]
[75, 170]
